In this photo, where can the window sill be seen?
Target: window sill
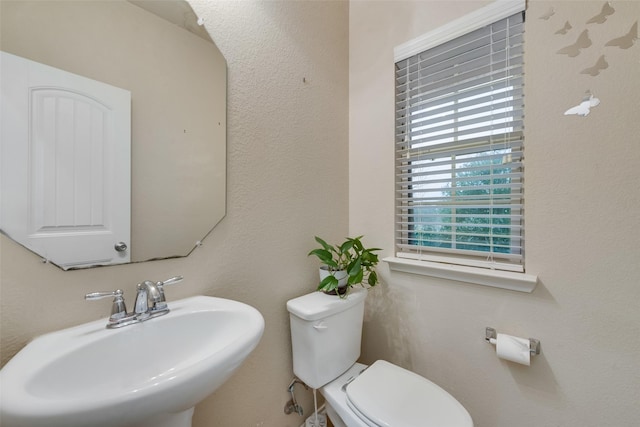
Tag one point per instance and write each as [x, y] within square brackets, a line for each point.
[520, 282]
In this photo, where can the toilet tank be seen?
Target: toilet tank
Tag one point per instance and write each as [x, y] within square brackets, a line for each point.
[326, 333]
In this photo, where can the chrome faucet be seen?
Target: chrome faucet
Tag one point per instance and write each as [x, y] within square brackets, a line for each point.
[150, 303]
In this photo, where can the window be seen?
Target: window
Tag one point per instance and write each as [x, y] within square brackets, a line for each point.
[459, 149]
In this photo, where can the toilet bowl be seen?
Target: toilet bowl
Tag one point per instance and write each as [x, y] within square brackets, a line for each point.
[326, 335]
[385, 395]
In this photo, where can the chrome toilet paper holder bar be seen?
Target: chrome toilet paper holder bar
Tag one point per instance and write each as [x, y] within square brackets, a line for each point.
[534, 344]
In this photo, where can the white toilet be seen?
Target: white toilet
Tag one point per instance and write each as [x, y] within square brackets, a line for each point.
[326, 332]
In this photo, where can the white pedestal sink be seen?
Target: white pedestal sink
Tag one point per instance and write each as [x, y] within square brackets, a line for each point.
[143, 375]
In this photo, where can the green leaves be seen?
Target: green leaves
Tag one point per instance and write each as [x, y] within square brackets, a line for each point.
[328, 284]
[327, 247]
[325, 257]
[350, 255]
[373, 278]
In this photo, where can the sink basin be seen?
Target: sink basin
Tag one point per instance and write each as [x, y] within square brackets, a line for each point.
[147, 374]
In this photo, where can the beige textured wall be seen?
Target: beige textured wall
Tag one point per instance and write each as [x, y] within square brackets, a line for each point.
[287, 181]
[582, 227]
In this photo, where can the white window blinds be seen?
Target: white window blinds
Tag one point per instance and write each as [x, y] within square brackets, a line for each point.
[459, 149]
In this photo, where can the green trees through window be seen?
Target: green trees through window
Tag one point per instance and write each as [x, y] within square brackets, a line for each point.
[476, 224]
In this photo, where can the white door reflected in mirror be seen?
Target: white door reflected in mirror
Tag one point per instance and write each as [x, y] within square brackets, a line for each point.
[66, 164]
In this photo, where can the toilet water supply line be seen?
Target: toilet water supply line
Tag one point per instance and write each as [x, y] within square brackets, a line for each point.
[292, 405]
[315, 408]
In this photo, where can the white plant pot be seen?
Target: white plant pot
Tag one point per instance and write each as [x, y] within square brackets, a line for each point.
[341, 275]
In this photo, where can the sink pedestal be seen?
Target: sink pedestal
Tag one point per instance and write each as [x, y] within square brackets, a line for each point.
[180, 419]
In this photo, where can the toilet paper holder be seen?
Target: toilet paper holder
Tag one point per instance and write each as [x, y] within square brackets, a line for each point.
[534, 344]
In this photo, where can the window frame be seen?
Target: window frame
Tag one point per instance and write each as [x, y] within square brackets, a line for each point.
[460, 267]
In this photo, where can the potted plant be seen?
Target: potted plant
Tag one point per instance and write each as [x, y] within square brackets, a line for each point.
[345, 265]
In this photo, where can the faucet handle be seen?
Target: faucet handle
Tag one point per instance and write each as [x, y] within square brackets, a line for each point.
[118, 308]
[171, 281]
[99, 295]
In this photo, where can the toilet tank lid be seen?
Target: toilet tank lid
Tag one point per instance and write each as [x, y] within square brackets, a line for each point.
[390, 396]
[318, 305]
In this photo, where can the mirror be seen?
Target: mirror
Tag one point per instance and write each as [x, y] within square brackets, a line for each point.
[177, 79]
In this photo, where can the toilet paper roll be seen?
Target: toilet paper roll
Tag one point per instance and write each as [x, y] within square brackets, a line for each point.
[512, 348]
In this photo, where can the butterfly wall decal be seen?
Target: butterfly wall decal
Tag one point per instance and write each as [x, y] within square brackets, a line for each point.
[584, 108]
[548, 14]
[600, 65]
[626, 41]
[565, 29]
[607, 10]
[582, 42]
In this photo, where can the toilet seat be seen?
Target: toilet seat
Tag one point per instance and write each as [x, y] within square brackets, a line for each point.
[386, 395]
